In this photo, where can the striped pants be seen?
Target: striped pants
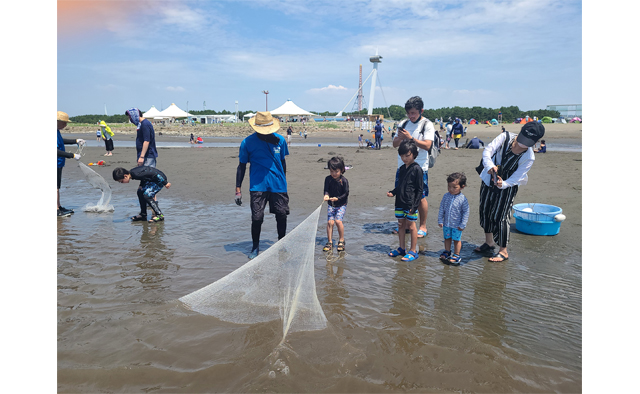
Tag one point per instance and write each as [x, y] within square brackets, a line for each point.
[495, 209]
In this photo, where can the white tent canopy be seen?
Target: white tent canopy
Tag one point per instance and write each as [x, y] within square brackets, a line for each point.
[173, 112]
[290, 109]
[249, 115]
[151, 113]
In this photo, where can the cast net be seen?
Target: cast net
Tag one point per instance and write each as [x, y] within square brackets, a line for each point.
[98, 182]
[278, 284]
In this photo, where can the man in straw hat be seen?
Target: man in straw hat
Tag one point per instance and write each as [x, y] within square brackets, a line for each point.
[63, 119]
[266, 151]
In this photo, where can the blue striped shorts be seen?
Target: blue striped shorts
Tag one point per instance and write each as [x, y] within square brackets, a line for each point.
[404, 214]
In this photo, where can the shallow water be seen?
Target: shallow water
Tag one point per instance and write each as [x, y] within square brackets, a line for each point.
[393, 326]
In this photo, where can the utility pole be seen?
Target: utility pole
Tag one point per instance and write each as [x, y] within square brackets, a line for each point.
[266, 92]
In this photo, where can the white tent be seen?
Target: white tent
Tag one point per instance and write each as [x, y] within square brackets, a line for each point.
[151, 113]
[290, 109]
[173, 112]
[249, 115]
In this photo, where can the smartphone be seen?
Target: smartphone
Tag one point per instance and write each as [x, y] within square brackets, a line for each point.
[495, 178]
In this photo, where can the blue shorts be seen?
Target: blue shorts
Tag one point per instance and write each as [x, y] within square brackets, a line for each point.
[149, 161]
[451, 233]
[150, 189]
[336, 213]
[404, 214]
[425, 181]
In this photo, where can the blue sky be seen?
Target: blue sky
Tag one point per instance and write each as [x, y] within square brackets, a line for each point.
[465, 53]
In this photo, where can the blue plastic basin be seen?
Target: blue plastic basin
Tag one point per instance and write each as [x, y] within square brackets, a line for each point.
[540, 221]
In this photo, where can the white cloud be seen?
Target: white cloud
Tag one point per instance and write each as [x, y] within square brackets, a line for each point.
[330, 88]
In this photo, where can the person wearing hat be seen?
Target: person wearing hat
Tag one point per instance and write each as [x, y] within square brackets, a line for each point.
[506, 161]
[63, 119]
[265, 150]
[475, 143]
[147, 154]
[457, 130]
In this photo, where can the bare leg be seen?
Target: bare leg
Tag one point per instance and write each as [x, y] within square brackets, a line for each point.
[423, 210]
[401, 227]
[330, 230]
[457, 245]
[340, 226]
[414, 236]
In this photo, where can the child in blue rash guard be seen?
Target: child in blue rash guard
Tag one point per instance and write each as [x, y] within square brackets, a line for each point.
[453, 216]
[151, 182]
[408, 193]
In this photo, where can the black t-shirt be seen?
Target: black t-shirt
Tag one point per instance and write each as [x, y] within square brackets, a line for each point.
[337, 189]
[149, 174]
[410, 185]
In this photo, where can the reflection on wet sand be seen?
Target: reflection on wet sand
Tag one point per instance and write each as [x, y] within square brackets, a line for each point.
[487, 312]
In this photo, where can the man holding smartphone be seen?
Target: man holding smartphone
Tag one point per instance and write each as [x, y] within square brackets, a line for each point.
[421, 131]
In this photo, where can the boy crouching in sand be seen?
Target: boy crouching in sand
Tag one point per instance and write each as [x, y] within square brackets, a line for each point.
[151, 182]
[408, 193]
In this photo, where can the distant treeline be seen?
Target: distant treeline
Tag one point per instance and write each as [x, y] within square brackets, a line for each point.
[397, 112]
[509, 114]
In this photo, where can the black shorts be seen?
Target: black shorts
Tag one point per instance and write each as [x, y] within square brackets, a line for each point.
[59, 176]
[108, 145]
[278, 204]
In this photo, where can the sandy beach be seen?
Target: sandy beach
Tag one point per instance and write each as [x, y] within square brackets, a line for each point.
[208, 174]
[394, 327]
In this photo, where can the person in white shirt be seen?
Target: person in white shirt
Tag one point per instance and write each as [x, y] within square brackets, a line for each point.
[506, 161]
[421, 131]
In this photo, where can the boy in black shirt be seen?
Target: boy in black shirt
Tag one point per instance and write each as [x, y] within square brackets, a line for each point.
[151, 182]
[336, 192]
[408, 193]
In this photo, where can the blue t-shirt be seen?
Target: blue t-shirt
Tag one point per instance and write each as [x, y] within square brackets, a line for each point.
[266, 173]
[146, 133]
[61, 159]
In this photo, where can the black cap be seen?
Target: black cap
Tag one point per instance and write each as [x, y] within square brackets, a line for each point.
[530, 133]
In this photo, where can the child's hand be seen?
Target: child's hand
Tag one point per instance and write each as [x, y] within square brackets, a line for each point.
[389, 194]
[168, 185]
[461, 229]
[440, 225]
[499, 183]
[333, 199]
[326, 197]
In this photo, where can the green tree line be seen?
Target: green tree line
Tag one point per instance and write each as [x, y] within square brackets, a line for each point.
[397, 112]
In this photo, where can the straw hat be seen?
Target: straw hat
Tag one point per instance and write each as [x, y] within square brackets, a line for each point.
[63, 117]
[264, 123]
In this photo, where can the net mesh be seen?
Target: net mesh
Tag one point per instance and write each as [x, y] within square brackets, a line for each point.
[278, 284]
[98, 182]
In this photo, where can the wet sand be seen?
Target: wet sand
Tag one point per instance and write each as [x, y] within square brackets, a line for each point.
[422, 327]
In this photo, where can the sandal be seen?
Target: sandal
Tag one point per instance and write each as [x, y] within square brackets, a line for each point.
[328, 247]
[422, 233]
[484, 248]
[444, 256]
[410, 256]
[498, 256]
[455, 259]
[138, 218]
[341, 246]
[397, 252]
[156, 219]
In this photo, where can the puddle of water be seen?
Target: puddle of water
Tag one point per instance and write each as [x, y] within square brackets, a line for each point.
[394, 326]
